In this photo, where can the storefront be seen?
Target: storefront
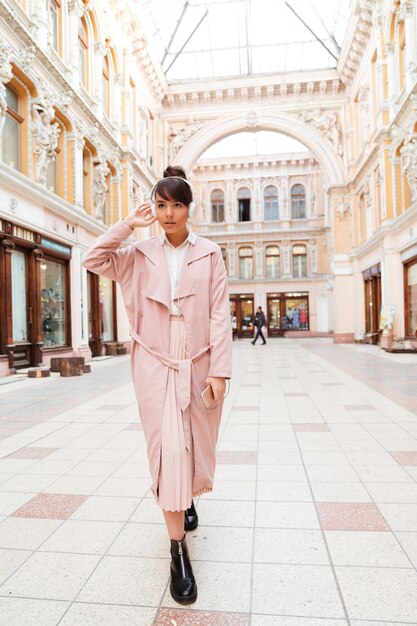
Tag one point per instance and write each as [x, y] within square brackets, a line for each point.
[410, 292]
[287, 311]
[102, 323]
[242, 306]
[373, 300]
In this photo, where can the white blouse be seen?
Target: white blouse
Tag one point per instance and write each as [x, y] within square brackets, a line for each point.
[175, 260]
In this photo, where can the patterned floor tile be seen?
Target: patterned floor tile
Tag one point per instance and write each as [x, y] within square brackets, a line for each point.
[236, 457]
[50, 506]
[405, 458]
[350, 516]
[31, 453]
[189, 617]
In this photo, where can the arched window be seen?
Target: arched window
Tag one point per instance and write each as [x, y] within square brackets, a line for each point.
[12, 130]
[299, 261]
[83, 52]
[272, 261]
[106, 86]
[245, 263]
[217, 205]
[55, 17]
[243, 203]
[271, 203]
[298, 202]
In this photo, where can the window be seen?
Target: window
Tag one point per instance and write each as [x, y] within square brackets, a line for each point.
[299, 261]
[245, 263]
[271, 203]
[106, 86]
[19, 301]
[298, 202]
[11, 130]
[53, 303]
[217, 205]
[243, 201]
[55, 8]
[83, 52]
[411, 299]
[272, 261]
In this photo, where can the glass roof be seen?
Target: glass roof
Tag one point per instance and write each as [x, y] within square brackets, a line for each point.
[218, 38]
[251, 144]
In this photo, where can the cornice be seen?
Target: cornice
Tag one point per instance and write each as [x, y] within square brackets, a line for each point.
[32, 191]
[356, 39]
[252, 90]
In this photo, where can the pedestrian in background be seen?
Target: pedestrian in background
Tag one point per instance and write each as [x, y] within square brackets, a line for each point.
[259, 323]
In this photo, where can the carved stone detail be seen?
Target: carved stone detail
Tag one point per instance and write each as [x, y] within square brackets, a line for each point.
[328, 125]
[101, 171]
[45, 138]
[409, 163]
[179, 135]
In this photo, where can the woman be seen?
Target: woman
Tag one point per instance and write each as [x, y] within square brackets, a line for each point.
[175, 292]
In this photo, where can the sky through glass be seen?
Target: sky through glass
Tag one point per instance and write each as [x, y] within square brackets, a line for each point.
[219, 38]
[247, 144]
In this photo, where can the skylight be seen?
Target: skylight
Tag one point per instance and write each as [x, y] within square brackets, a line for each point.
[248, 144]
[219, 38]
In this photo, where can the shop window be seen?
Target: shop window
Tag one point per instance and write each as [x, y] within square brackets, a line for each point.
[55, 16]
[217, 205]
[53, 302]
[411, 299]
[243, 202]
[12, 130]
[272, 261]
[19, 292]
[299, 261]
[298, 202]
[245, 263]
[83, 52]
[271, 203]
[106, 309]
[296, 312]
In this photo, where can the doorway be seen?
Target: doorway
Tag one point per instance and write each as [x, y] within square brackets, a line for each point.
[102, 323]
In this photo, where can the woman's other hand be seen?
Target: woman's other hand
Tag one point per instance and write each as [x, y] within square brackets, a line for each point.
[218, 385]
[141, 217]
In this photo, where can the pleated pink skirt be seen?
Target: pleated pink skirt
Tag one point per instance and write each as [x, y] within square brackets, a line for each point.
[175, 490]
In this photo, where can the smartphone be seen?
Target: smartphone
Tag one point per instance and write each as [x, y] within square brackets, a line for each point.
[208, 397]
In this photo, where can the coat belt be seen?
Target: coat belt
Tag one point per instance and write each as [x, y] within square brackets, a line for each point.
[184, 368]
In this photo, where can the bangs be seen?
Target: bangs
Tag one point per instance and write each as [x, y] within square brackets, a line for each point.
[175, 190]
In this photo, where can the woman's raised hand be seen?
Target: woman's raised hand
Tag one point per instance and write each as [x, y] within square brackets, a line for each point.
[141, 217]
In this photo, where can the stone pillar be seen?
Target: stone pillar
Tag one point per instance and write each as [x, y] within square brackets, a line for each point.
[79, 305]
[392, 75]
[406, 14]
[313, 257]
[257, 208]
[230, 203]
[100, 50]
[259, 259]
[76, 147]
[76, 9]
[285, 209]
[287, 261]
[6, 74]
[39, 15]
[232, 261]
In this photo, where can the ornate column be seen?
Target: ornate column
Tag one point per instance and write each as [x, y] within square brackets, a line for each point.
[205, 202]
[409, 164]
[313, 257]
[405, 14]
[76, 9]
[100, 50]
[392, 77]
[257, 213]
[231, 251]
[100, 173]
[6, 74]
[75, 157]
[259, 258]
[286, 256]
[285, 212]
[39, 15]
[230, 203]
[45, 138]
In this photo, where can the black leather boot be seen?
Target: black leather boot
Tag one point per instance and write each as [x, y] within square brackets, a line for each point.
[183, 586]
[191, 518]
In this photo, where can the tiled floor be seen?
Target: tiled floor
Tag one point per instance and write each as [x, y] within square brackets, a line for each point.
[312, 521]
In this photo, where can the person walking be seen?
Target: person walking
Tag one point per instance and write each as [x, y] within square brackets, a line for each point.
[259, 322]
[175, 291]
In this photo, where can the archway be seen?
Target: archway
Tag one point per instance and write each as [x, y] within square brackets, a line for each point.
[216, 130]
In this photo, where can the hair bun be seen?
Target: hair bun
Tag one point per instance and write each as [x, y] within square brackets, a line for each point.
[174, 170]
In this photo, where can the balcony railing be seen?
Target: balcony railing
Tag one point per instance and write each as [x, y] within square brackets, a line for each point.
[312, 223]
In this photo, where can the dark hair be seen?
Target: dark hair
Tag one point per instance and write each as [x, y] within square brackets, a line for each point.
[174, 188]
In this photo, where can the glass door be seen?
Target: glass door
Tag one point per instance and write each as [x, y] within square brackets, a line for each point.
[21, 347]
[274, 316]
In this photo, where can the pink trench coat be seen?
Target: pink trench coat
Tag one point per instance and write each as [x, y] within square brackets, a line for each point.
[142, 271]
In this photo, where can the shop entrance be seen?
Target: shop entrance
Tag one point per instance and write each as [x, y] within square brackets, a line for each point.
[242, 306]
[21, 331]
[287, 311]
[101, 312]
[373, 298]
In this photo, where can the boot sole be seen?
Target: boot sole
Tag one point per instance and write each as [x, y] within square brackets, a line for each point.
[181, 600]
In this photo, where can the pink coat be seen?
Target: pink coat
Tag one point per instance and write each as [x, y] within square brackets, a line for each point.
[142, 271]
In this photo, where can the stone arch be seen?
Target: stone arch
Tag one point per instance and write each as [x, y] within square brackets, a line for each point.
[292, 126]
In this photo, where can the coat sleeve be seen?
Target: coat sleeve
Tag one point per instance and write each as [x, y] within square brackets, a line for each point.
[103, 256]
[220, 326]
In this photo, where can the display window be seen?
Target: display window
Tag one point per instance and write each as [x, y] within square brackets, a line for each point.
[287, 311]
[53, 303]
[242, 306]
[411, 299]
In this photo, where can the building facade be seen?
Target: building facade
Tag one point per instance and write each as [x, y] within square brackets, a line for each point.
[323, 240]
